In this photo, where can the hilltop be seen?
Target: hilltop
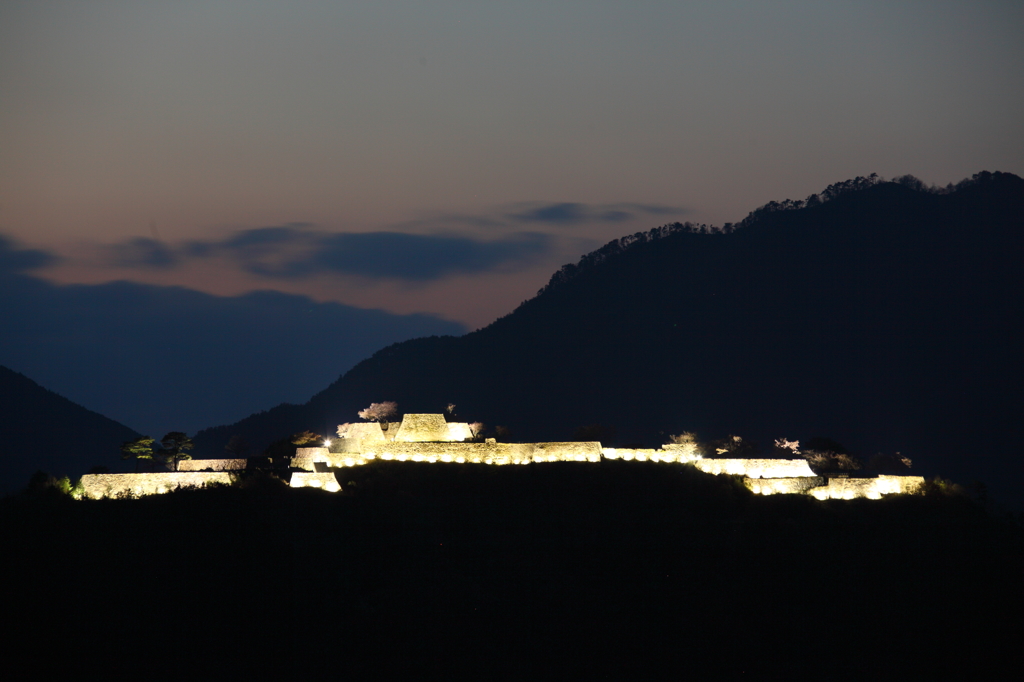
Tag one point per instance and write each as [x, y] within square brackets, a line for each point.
[882, 315]
[41, 430]
[577, 570]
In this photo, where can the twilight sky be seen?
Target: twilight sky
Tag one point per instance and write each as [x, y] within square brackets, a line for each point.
[446, 157]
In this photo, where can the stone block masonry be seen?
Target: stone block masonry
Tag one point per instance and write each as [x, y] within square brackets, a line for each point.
[212, 464]
[756, 468]
[324, 481]
[136, 485]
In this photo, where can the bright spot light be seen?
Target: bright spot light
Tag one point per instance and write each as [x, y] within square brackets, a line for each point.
[327, 442]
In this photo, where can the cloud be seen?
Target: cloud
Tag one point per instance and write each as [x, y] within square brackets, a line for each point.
[15, 260]
[395, 255]
[569, 213]
[293, 251]
[297, 250]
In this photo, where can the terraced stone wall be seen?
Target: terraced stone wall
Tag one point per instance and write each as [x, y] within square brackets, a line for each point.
[645, 455]
[871, 488]
[783, 486]
[324, 481]
[138, 485]
[212, 464]
[756, 468]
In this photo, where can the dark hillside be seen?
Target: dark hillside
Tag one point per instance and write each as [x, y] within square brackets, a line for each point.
[617, 570]
[40, 430]
[887, 318]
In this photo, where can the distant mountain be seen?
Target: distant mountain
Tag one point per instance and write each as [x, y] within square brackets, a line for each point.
[883, 315]
[162, 358]
[40, 430]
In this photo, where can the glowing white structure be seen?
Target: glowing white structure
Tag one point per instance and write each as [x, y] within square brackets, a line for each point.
[96, 486]
[324, 481]
[429, 438]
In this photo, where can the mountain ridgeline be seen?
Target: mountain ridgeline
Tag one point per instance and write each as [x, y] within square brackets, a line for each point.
[883, 315]
[41, 430]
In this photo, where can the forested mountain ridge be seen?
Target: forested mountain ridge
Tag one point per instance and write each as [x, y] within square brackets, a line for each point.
[41, 430]
[885, 316]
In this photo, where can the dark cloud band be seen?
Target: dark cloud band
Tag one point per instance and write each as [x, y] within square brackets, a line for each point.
[292, 252]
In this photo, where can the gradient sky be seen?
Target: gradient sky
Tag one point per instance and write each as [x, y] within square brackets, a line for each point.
[198, 121]
[446, 157]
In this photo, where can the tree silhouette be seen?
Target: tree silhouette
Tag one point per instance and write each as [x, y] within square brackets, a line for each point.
[140, 448]
[174, 445]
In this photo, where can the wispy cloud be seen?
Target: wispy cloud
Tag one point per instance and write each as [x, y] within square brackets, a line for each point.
[504, 239]
[572, 213]
[295, 251]
[290, 252]
[14, 259]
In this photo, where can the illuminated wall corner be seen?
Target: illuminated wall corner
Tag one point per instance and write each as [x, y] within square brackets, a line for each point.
[421, 428]
[96, 486]
[899, 485]
[782, 486]
[306, 458]
[756, 468]
[459, 431]
[364, 432]
[324, 481]
[212, 464]
[567, 451]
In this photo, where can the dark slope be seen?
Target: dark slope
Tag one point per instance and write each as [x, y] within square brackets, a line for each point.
[886, 318]
[605, 571]
[40, 430]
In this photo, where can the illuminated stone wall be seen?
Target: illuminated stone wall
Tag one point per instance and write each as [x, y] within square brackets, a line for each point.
[871, 488]
[306, 457]
[682, 454]
[369, 432]
[212, 464]
[324, 481]
[756, 468]
[115, 485]
[782, 486]
[569, 451]
[459, 431]
[457, 452]
[419, 428]
[472, 453]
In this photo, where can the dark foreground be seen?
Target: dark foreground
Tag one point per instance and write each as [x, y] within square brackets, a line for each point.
[616, 570]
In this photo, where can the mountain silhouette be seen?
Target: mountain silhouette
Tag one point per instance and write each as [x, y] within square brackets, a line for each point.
[882, 315]
[43, 431]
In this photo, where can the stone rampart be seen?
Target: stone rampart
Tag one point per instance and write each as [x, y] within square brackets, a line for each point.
[756, 468]
[457, 452]
[212, 464]
[568, 451]
[645, 455]
[782, 486]
[473, 453]
[871, 488]
[305, 458]
[137, 485]
[369, 432]
[420, 428]
[325, 481]
[459, 431]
